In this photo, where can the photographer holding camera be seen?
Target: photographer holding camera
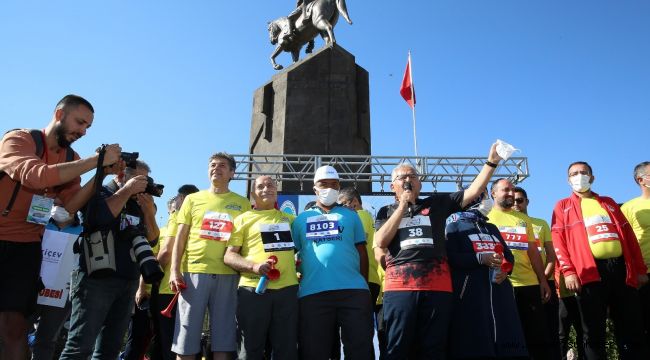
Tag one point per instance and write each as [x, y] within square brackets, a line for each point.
[118, 221]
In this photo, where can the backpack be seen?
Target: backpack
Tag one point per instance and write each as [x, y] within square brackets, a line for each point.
[40, 150]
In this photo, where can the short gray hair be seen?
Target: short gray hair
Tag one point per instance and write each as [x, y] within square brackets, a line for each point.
[639, 170]
[393, 174]
[139, 164]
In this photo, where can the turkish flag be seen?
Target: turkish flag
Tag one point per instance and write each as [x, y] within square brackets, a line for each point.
[407, 90]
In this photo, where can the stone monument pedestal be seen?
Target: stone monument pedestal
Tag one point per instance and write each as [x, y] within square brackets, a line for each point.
[317, 106]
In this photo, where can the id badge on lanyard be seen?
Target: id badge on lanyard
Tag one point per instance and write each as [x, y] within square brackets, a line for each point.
[39, 210]
[415, 232]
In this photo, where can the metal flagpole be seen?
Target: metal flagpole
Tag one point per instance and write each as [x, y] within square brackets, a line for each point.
[415, 137]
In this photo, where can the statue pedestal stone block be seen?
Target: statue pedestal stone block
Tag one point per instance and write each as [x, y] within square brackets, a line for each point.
[320, 106]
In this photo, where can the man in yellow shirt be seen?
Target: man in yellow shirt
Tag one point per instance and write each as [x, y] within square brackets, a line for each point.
[165, 328]
[637, 212]
[205, 223]
[259, 235]
[527, 277]
[545, 246]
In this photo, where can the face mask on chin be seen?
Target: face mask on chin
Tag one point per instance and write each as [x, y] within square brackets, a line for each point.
[485, 206]
[580, 183]
[328, 196]
[60, 214]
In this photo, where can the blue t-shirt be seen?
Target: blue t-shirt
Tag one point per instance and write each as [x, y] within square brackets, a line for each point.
[326, 244]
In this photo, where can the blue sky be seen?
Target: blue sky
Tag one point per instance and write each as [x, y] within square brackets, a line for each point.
[562, 80]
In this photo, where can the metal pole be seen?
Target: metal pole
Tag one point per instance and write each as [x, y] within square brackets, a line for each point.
[415, 137]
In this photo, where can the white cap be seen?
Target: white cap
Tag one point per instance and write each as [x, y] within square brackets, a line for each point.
[325, 172]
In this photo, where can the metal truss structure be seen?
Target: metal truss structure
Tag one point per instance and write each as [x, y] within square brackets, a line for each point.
[375, 169]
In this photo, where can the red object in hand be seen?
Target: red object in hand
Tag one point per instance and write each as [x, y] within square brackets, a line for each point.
[506, 266]
[167, 312]
[274, 273]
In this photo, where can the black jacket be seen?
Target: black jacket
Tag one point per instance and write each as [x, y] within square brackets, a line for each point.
[485, 322]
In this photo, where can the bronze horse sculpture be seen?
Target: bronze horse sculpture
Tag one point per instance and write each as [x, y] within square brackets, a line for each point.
[316, 18]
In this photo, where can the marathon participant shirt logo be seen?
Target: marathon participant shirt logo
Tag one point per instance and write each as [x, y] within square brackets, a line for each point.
[515, 236]
[233, 207]
[216, 226]
[323, 228]
[483, 243]
[276, 237]
[415, 232]
[600, 229]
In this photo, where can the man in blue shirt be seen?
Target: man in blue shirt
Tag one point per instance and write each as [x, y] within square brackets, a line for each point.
[331, 245]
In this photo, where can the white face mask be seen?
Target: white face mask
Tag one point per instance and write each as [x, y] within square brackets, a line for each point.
[580, 183]
[60, 214]
[327, 197]
[505, 150]
[485, 206]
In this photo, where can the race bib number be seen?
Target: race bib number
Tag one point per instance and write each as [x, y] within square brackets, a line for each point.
[515, 236]
[600, 229]
[322, 227]
[415, 232]
[276, 237]
[483, 243]
[216, 226]
[39, 210]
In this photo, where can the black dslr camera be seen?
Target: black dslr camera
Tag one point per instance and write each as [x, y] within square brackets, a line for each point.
[149, 267]
[152, 189]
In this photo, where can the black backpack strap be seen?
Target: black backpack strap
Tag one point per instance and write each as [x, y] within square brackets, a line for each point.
[37, 135]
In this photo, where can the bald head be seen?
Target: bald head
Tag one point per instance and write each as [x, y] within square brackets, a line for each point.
[265, 193]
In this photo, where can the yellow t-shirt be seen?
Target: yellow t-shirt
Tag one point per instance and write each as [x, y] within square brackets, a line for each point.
[164, 283]
[542, 236]
[260, 234]
[517, 230]
[210, 217]
[602, 235]
[637, 212]
[380, 275]
[369, 229]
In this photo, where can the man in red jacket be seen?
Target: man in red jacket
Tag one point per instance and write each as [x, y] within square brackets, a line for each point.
[601, 261]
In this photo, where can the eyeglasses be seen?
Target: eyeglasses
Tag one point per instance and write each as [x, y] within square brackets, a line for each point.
[520, 200]
[405, 176]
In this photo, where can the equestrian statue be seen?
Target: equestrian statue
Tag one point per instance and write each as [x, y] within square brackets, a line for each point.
[310, 18]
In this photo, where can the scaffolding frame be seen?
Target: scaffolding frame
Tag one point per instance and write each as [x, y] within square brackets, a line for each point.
[434, 170]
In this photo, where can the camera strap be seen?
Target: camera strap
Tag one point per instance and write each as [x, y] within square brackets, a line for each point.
[99, 175]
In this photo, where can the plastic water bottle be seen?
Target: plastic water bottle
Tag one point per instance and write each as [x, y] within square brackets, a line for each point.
[494, 273]
[261, 285]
